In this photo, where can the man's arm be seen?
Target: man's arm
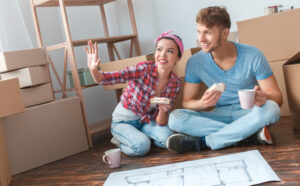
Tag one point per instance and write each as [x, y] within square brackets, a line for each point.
[191, 99]
[268, 90]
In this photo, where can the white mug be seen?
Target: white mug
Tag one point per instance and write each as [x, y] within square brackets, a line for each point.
[112, 157]
[247, 98]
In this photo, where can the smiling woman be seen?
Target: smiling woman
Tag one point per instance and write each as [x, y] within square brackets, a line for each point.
[14, 34]
[135, 120]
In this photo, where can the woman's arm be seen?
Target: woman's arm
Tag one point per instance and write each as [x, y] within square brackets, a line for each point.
[162, 117]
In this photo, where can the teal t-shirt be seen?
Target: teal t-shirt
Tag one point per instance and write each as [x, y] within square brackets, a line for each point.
[250, 66]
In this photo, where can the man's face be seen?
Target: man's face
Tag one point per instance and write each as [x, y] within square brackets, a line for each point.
[210, 38]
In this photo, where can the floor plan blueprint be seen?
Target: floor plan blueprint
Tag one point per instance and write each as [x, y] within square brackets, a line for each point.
[246, 168]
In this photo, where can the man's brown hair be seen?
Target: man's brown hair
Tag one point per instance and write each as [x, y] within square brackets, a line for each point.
[212, 16]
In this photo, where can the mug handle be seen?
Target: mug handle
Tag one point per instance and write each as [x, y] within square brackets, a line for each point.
[105, 159]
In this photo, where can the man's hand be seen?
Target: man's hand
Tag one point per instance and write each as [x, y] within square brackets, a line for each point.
[210, 98]
[260, 96]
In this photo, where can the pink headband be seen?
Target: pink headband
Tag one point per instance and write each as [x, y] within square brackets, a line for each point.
[167, 35]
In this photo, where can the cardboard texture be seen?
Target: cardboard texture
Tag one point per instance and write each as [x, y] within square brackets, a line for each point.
[37, 95]
[13, 60]
[277, 68]
[29, 76]
[44, 133]
[5, 175]
[179, 69]
[276, 35]
[11, 98]
[291, 73]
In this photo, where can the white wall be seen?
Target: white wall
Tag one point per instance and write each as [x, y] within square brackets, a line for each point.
[152, 18]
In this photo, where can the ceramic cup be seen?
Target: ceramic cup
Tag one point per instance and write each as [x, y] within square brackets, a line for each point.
[112, 157]
[247, 98]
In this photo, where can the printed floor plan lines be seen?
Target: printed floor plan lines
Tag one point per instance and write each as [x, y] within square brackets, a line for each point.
[239, 169]
[196, 175]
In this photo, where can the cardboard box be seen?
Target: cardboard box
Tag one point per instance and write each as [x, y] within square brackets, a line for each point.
[276, 35]
[118, 65]
[277, 68]
[13, 60]
[29, 76]
[11, 97]
[44, 133]
[11, 103]
[5, 175]
[179, 69]
[291, 73]
[37, 95]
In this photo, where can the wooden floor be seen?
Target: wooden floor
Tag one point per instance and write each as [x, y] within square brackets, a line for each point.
[87, 168]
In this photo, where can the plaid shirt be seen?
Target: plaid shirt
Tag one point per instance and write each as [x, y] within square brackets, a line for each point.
[142, 81]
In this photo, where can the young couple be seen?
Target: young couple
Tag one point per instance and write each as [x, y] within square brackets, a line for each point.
[136, 121]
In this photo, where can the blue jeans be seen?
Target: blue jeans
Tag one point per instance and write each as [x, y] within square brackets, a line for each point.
[225, 125]
[134, 136]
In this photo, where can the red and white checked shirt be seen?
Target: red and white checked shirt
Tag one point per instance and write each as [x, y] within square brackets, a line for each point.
[142, 82]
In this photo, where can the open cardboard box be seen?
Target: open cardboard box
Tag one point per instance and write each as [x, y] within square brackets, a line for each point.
[291, 71]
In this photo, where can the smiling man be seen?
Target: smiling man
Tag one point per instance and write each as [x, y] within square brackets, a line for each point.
[238, 66]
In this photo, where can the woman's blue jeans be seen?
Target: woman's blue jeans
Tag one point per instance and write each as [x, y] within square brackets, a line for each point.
[134, 136]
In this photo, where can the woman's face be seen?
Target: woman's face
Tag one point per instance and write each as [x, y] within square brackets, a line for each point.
[166, 54]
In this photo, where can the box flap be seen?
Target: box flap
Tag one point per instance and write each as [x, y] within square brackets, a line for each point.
[294, 59]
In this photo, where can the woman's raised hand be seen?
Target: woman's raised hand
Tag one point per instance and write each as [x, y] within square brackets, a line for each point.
[93, 61]
[92, 56]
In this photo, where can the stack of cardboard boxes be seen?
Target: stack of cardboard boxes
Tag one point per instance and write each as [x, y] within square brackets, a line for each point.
[278, 37]
[47, 130]
[30, 67]
[11, 103]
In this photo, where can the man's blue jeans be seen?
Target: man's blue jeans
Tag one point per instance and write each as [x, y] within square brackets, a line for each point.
[225, 125]
[134, 136]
